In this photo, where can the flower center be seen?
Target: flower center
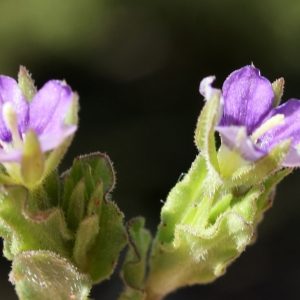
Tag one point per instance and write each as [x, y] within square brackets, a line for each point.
[272, 122]
[11, 121]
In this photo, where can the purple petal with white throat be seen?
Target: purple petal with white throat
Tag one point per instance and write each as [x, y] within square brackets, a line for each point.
[290, 129]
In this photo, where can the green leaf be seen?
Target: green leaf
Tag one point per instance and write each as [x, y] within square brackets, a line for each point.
[24, 230]
[85, 239]
[101, 168]
[135, 265]
[76, 206]
[102, 253]
[52, 187]
[100, 234]
[92, 168]
[95, 203]
[43, 275]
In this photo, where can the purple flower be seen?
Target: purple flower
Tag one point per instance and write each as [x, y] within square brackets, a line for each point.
[45, 115]
[249, 124]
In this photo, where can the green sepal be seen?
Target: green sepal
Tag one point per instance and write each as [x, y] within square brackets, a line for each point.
[197, 257]
[45, 275]
[24, 229]
[265, 200]
[181, 197]
[32, 160]
[221, 206]
[278, 86]
[205, 130]
[261, 169]
[135, 265]
[201, 249]
[54, 157]
[26, 84]
[72, 114]
[4, 177]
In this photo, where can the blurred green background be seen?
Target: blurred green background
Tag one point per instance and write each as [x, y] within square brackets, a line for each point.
[137, 67]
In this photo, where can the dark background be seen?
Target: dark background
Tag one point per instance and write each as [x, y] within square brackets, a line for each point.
[137, 66]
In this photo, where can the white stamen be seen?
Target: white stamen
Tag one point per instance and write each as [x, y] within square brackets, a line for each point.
[11, 121]
[275, 120]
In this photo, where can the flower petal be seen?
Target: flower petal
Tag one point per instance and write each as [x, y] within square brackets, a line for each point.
[11, 155]
[10, 92]
[290, 129]
[292, 159]
[51, 141]
[236, 139]
[248, 97]
[49, 107]
[205, 89]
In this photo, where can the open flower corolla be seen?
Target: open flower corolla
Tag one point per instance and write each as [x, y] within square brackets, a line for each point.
[249, 123]
[44, 115]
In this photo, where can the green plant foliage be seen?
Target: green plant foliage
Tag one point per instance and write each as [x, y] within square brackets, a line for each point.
[96, 221]
[25, 230]
[134, 268]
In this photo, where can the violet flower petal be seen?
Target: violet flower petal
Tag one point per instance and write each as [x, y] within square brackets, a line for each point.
[51, 141]
[205, 89]
[49, 107]
[11, 155]
[10, 92]
[236, 138]
[290, 129]
[248, 97]
[292, 159]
